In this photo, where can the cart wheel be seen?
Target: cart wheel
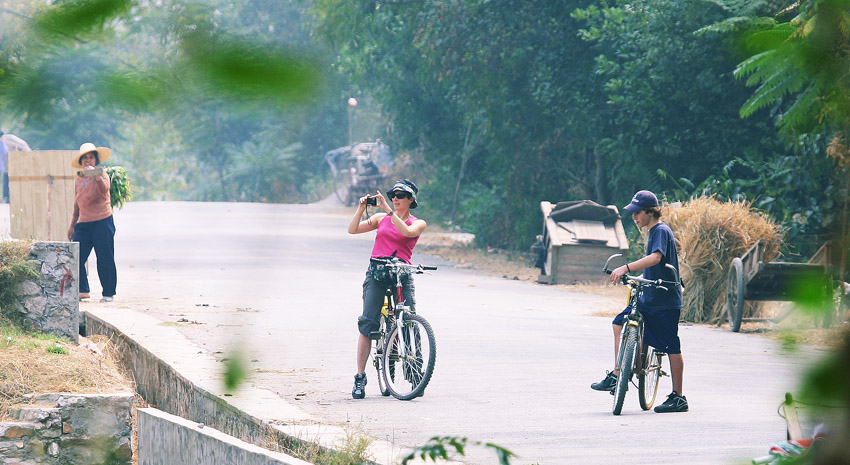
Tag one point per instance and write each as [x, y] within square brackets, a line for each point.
[735, 294]
[342, 187]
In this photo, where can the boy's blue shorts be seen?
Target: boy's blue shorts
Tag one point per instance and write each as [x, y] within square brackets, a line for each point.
[661, 328]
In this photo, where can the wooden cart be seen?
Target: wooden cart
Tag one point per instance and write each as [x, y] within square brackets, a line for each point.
[752, 279]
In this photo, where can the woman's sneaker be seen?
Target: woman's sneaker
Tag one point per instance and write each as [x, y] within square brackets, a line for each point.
[606, 384]
[359, 390]
[674, 403]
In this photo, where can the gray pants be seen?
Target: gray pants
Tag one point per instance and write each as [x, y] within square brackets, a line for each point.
[373, 300]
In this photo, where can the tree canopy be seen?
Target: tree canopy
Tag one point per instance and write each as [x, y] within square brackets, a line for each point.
[494, 107]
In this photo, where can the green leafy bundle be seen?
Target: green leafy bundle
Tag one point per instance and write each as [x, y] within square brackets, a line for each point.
[120, 190]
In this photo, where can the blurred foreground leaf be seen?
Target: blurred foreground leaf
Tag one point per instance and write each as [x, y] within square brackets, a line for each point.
[137, 91]
[246, 70]
[70, 20]
[812, 292]
[235, 371]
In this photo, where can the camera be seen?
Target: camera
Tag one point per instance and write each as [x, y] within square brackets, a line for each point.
[373, 201]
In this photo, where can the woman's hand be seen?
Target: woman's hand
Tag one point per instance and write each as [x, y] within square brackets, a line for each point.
[382, 202]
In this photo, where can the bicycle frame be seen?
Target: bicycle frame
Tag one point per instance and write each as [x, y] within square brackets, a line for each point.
[633, 319]
[399, 308]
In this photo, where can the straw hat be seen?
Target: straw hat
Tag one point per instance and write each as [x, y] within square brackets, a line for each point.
[103, 154]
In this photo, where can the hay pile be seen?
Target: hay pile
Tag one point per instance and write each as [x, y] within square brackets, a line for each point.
[709, 234]
[33, 363]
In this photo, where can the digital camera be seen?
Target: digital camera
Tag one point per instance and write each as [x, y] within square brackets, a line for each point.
[373, 201]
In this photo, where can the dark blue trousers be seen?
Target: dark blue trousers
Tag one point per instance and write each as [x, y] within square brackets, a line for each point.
[100, 236]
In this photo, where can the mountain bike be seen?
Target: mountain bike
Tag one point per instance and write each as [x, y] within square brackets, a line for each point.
[634, 358]
[405, 348]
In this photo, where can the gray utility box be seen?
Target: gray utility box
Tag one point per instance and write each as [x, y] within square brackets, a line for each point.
[578, 236]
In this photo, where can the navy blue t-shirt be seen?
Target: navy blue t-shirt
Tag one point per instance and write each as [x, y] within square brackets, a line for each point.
[661, 240]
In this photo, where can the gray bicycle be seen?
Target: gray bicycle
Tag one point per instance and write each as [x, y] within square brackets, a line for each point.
[635, 359]
[405, 348]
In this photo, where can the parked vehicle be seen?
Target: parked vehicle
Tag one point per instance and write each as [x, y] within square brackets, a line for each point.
[359, 169]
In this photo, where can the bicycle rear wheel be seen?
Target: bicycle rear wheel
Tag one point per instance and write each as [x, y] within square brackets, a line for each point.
[407, 375]
[648, 378]
[626, 363]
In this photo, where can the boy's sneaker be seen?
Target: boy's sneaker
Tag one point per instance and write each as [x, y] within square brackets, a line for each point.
[359, 390]
[606, 384]
[674, 403]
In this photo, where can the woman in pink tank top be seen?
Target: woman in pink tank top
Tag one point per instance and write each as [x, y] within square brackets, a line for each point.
[397, 234]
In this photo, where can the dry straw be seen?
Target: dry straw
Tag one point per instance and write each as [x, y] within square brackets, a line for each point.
[709, 234]
[32, 364]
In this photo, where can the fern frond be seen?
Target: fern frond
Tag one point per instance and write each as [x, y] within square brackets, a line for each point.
[756, 64]
[799, 113]
[737, 23]
[844, 23]
[767, 94]
[771, 37]
[807, 27]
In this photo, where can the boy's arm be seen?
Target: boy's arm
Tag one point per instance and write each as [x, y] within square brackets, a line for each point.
[631, 268]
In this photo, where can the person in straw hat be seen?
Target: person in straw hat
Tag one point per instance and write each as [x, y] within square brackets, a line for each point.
[91, 223]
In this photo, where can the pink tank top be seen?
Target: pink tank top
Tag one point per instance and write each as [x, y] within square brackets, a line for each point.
[389, 240]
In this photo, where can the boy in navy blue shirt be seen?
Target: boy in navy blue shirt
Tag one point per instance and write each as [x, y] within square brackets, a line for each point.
[660, 308]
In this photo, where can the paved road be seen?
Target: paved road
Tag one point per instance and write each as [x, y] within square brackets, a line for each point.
[514, 359]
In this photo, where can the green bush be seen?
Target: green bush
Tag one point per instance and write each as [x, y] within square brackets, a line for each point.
[14, 268]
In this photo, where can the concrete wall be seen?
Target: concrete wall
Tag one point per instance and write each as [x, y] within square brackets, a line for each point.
[51, 302]
[69, 429]
[166, 439]
[162, 386]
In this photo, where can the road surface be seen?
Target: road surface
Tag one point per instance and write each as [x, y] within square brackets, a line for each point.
[281, 283]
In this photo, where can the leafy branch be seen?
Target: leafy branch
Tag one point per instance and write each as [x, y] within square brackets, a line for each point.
[440, 447]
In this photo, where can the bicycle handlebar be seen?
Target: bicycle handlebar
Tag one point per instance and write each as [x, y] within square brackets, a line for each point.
[656, 283]
[397, 263]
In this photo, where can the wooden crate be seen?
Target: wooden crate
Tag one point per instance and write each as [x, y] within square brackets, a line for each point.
[41, 194]
[578, 243]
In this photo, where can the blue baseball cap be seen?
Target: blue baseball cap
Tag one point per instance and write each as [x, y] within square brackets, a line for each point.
[641, 200]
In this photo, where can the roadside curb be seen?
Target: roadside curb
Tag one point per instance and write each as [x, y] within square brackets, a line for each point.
[175, 376]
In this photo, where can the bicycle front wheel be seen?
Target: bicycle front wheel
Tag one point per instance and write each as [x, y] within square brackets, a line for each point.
[626, 363]
[382, 384]
[648, 378]
[379, 359]
[409, 356]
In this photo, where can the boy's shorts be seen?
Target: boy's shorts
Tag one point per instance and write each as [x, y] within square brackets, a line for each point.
[660, 328]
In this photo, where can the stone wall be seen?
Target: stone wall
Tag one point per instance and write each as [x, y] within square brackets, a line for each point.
[70, 429]
[51, 302]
